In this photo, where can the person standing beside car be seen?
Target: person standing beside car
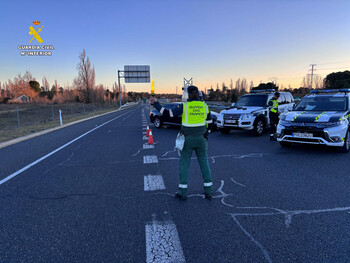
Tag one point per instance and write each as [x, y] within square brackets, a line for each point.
[196, 125]
[273, 114]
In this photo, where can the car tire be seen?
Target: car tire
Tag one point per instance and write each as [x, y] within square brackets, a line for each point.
[346, 147]
[259, 127]
[157, 122]
[285, 144]
[225, 130]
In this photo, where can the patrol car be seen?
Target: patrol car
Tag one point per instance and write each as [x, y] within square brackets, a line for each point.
[322, 117]
[158, 119]
[251, 112]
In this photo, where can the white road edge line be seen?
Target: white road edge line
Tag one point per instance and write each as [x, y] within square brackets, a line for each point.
[55, 151]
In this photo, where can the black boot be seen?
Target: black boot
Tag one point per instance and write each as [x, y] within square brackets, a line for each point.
[208, 196]
[181, 197]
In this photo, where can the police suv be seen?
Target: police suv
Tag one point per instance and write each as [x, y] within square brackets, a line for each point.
[322, 117]
[251, 112]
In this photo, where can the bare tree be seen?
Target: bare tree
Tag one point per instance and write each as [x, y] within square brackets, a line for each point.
[85, 82]
[45, 84]
[251, 85]
[318, 81]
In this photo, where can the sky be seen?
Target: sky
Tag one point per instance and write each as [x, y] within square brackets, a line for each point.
[209, 41]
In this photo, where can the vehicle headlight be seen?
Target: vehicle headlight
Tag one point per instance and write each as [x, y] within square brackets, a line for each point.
[332, 124]
[247, 116]
[284, 123]
[220, 117]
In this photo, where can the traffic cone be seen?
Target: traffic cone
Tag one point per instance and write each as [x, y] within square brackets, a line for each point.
[148, 129]
[150, 137]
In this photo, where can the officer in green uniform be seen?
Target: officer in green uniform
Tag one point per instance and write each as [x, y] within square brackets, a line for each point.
[196, 125]
[273, 103]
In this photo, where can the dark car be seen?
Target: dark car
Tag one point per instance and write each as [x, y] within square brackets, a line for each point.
[158, 120]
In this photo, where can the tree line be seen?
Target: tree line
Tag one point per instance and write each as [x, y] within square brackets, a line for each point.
[84, 88]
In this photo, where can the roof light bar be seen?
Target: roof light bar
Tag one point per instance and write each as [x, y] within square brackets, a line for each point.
[329, 90]
[262, 90]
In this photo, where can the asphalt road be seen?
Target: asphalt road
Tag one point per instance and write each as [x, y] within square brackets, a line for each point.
[108, 198]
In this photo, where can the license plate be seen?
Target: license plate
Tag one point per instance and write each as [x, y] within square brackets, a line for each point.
[303, 135]
[231, 121]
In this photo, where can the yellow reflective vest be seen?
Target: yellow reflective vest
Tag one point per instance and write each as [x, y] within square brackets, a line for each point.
[274, 108]
[194, 113]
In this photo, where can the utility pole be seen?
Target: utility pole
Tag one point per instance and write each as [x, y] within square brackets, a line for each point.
[312, 73]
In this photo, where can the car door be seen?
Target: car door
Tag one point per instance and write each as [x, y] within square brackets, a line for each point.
[282, 103]
[177, 119]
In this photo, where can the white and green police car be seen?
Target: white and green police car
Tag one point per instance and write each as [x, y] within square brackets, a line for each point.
[322, 117]
[251, 112]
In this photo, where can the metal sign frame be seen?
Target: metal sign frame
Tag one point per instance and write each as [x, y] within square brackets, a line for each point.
[141, 73]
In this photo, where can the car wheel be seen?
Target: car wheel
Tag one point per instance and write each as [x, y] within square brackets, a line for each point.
[225, 130]
[157, 123]
[285, 144]
[259, 127]
[346, 147]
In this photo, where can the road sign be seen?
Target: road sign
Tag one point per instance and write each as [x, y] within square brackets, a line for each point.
[137, 74]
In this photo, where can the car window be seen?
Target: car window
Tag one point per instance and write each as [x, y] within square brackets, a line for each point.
[281, 99]
[288, 98]
[322, 103]
[252, 100]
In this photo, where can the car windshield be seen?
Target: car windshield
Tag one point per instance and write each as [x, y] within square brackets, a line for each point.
[322, 103]
[252, 100]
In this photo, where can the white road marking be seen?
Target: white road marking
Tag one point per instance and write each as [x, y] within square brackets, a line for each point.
[144, 132]
[163, 242]
[153, 182]
[145, 138]
[150, 159]
[148, 146]
[237, 182]
[55, 151]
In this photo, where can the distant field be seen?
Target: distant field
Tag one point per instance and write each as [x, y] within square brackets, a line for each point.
[38, 117]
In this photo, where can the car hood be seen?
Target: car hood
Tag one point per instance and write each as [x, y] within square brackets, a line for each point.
[242, 110]
[314, 116]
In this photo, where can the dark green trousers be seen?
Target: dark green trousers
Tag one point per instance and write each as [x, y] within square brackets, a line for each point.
[200, 145]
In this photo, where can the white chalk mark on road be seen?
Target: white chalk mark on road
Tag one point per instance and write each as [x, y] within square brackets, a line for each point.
[145, 138]
[252, 155]
[266, 254]
[165, 154]
[150, 159]
[163, 242]
[153, 182]
[55, 151]
[237, 182]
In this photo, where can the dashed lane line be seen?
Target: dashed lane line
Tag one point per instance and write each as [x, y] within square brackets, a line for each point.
[163, 243]
[153, 183]
[148, 146]
[150, 159]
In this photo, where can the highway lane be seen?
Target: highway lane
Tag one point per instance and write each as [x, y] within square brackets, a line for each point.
[88, 202]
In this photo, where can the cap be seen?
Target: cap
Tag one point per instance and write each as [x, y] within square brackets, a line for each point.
[277, 94]
[192, 89]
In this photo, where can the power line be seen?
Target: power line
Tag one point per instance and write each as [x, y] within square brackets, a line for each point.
[333, 62]
[334, 68]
